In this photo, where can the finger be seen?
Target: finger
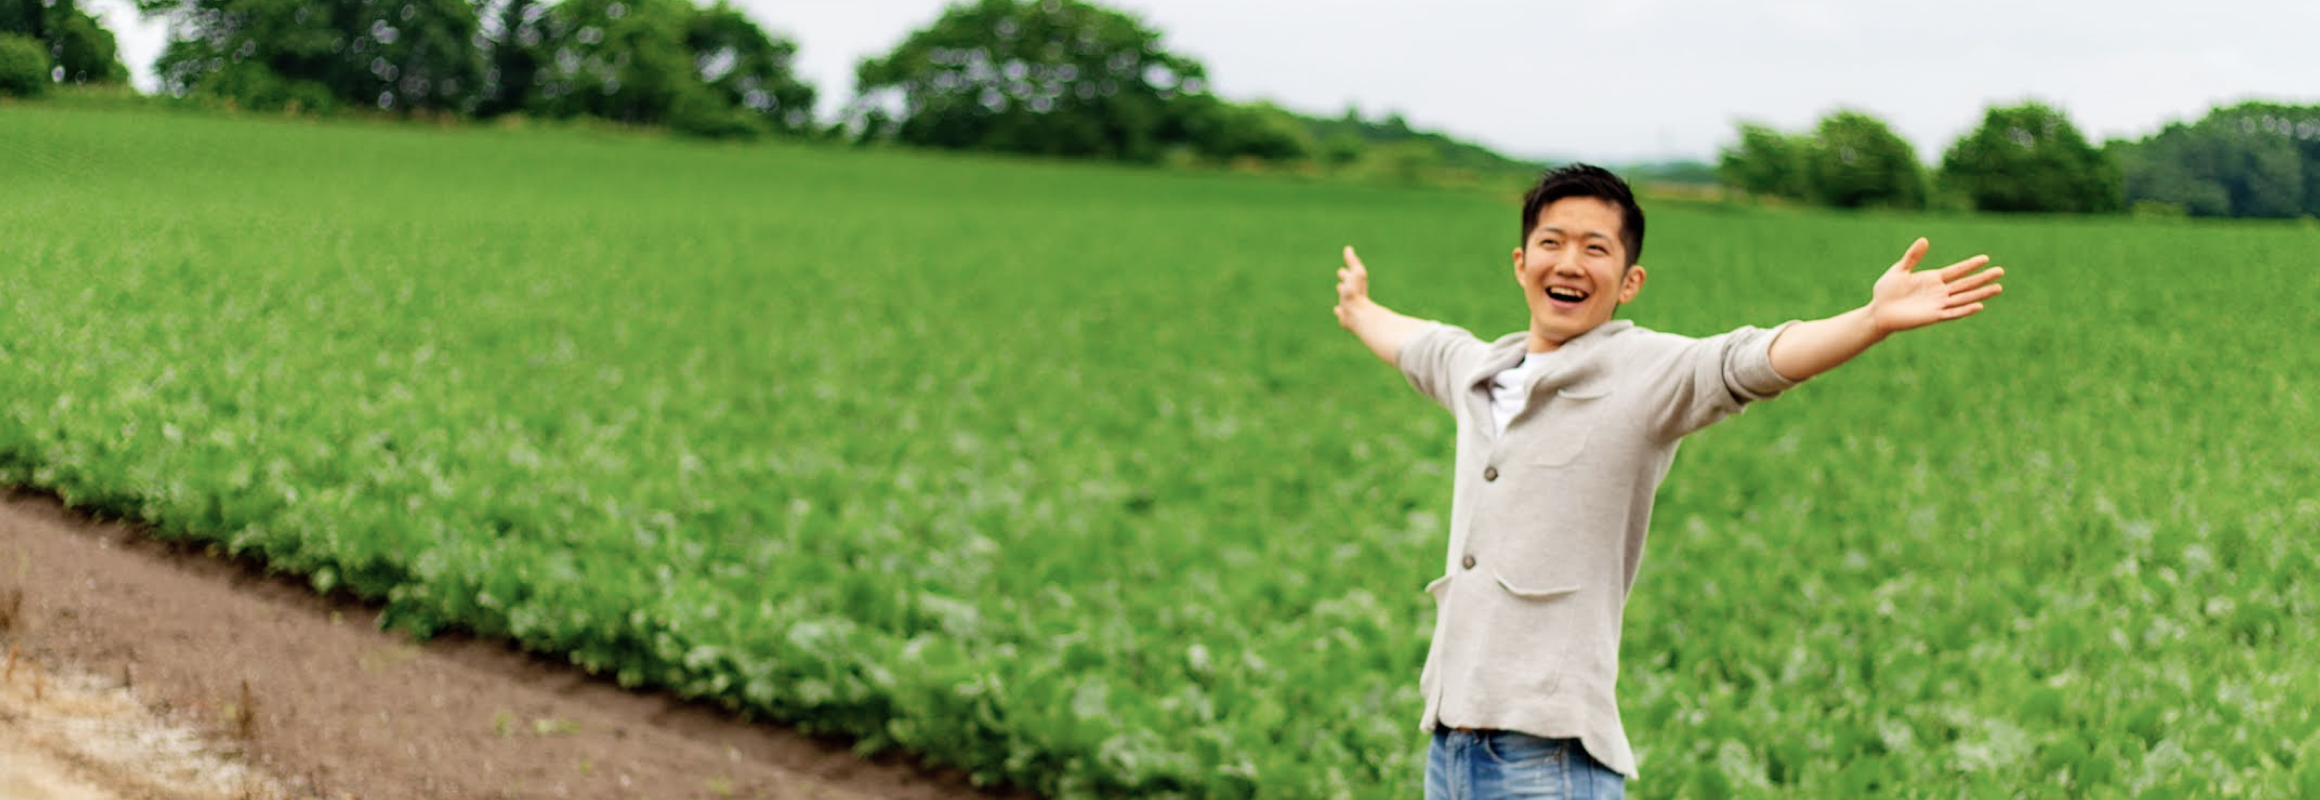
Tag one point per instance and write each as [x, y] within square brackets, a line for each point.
[1910, 257]
[1961, 312]
[1977, 279]
[1976, 296]
[1959, 269]
[1352, 279]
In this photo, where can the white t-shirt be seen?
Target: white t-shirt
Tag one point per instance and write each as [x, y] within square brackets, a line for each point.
[1510, 388]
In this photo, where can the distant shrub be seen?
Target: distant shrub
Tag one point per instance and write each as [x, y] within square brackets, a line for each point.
[249, 85]
[2158, 209]
[696, 112]
[24, 66]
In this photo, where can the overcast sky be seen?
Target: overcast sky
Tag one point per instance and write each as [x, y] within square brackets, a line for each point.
[1629, 80]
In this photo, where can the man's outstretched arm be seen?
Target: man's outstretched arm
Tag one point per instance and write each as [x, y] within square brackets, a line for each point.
[1902, 300]
[1379, 327]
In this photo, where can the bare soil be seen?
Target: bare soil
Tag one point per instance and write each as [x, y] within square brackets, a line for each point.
[140, 669]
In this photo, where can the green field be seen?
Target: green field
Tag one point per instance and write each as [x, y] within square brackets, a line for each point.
[1066, 475]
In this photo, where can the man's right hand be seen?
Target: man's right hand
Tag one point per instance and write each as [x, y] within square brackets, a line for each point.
[1352, 289]
[1379, 327]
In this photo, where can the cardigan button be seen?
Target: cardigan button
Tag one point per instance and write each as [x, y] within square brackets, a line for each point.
[1468, 562]
[1490, 473]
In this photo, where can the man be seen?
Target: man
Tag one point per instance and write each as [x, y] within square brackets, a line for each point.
[1564, 433]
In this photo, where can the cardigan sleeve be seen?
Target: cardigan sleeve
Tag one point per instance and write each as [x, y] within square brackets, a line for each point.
[1706, 380]
[1435, 357]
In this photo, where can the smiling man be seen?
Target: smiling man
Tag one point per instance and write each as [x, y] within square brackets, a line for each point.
[1564, 433]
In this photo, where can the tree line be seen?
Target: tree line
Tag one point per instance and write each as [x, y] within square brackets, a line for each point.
[2248, 160]
[1040, 77]
[1068, 78]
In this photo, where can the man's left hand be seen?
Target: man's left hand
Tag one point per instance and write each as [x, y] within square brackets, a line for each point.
[1906, 299]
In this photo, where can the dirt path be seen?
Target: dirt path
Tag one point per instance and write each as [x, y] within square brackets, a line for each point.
[126, 641]
[73, 736]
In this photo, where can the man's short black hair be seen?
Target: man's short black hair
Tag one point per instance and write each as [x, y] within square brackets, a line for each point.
[1586, 180]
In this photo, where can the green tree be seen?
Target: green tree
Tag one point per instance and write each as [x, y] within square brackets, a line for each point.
[77, 48]
[406, 56]
[84, 50]
[749, 69]
[513, 53]
[23, 65]
[1856, 161]
[706, 72]
[619, 60]
[1766, 163]
[2030, 158]
[1050, 77]
[2156, 178]
[2249, 160]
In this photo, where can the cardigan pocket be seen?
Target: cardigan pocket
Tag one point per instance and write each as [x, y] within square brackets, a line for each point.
[1559, 449]
[1437, 588]
[1534, 630]
[1563, 435]
[1529, 590]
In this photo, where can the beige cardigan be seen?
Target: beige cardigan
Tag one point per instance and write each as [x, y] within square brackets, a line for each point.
[1547, 520]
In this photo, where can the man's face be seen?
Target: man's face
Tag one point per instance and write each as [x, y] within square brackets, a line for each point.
[1573, 270]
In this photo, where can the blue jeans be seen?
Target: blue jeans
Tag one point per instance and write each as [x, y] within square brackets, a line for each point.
[1491, 765]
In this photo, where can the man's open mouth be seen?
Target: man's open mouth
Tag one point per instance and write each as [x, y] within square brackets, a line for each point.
[1566, 294]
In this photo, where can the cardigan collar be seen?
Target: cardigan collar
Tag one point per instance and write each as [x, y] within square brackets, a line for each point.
[1576, 367]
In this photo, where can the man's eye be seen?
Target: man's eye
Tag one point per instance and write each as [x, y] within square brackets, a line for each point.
[1599, 250]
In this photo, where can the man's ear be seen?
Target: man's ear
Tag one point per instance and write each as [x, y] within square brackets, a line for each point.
[1518, 265]
[1630, 283]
